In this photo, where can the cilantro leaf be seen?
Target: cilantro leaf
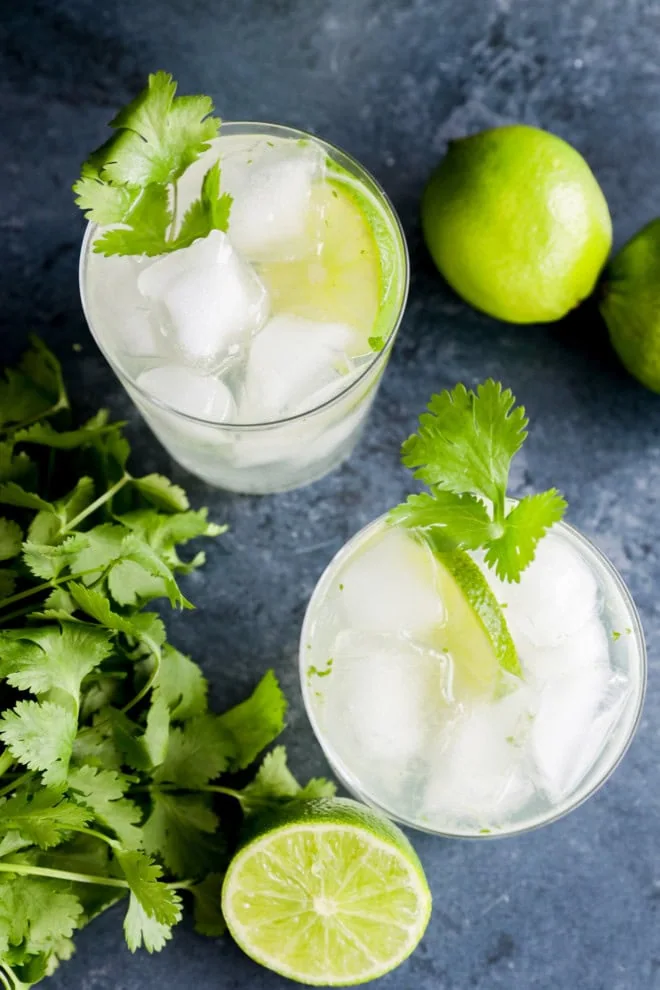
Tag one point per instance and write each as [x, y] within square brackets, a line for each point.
[47, 658]
[524, 526]
[40, 735]
[255, 723]
[7, 581]
[153, 907]
[466, 440]
[463, 450]
[156, 734]
[102, 202]
[42, 818]
[181, 830]
[182, 684]
[162, 493]
[160, 135]
[196, 753]
[274, 784]
[209, 212]
[144, 229]
[208, 913]
[103, 793]
[11, 537]
[36, 914]
[11, 493]
[462, 519]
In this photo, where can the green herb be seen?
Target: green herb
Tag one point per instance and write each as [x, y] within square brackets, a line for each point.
[463, 451]
[116, 780]
[131, 180]
[616, 635]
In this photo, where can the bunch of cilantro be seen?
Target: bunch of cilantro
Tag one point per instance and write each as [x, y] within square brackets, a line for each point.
[116, 781]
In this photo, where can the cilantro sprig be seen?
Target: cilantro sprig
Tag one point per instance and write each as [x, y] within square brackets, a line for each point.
[130, 182]
[463, 451]
[117, 781]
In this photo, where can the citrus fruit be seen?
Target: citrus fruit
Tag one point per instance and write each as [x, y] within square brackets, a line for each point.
[517, 223]
[631, 305]
[475, 633]
[327, 893]
[351, 278]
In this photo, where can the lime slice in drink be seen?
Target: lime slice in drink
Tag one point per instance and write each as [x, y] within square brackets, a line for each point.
[348, 278]
[327, 893]
[476, 633]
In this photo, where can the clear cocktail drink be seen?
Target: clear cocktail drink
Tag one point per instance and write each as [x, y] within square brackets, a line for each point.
[418, 718]
[254, 353]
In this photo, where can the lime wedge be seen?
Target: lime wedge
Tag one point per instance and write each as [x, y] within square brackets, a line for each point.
[476, 633]
[327, 893]
[350, 277]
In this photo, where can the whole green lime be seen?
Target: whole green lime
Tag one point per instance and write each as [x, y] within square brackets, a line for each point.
[517, 223]
[631, 305]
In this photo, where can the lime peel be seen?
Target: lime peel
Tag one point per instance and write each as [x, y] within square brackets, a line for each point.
[327, 893]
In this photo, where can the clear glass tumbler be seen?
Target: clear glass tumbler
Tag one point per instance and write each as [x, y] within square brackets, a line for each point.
[396, 771]
[257, 457]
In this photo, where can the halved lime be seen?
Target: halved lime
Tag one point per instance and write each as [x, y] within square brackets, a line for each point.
[475, 633]
[350, 279]
[327, 893]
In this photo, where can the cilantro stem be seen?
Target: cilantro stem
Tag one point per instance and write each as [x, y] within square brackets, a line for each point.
[6, 760]
[62, 403]
[97, 835]
[175, 206]
[97, 503]
[208, 789]
[149, 683]
[4, 980]
[25, 870]
[44, 586]
[16, 783]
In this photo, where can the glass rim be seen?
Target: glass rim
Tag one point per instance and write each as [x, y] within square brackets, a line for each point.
[581, 793]
[238, 126]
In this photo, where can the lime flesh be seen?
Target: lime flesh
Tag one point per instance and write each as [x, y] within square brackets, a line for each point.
[517, 223]
[476, 633]
[349, 277]
[327, 893]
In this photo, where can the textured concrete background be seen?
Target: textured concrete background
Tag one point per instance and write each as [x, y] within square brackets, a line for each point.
[574, 905]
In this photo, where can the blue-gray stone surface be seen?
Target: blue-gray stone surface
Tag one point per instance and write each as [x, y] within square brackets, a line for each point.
[574, 906]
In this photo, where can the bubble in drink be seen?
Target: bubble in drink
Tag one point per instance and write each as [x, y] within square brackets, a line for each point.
[207, 300]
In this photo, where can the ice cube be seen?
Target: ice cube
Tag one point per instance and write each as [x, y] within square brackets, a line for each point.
[557, 594]
[566, 713]
[391, 586]
[603, 727]
[587, 647]
[207, 300]
[118, 312]
[189, 392]
[272, 215]
[479, 772]
[291, 362]
[381, 695]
